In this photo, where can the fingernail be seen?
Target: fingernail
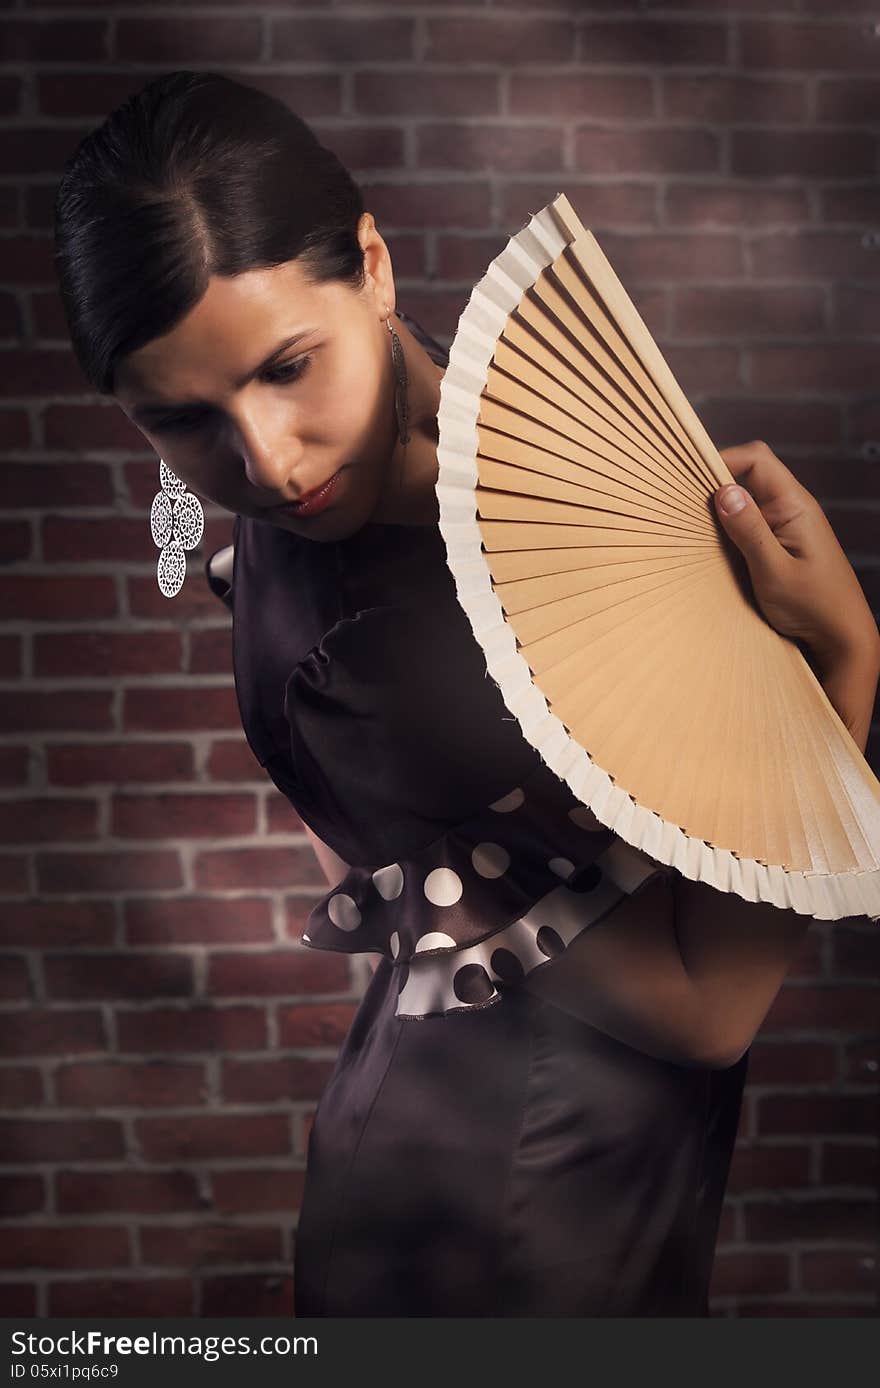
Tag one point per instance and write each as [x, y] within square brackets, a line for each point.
[731, 500]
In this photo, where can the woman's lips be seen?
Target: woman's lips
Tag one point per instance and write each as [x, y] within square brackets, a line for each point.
[314, 501]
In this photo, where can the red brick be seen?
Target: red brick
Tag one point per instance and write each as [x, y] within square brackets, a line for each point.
[649, 149]
[846, 366]
[813, 1220]
[62, 40]
[14, 762]
[31, 711]
[273, 1081]
[129, 975]
[89, 426]
[14, 982]
[14, 873]
[674, 256]
[140, 1192]
[57, 597]
[234, 39]
[749, 310]
[862, 1061]
[736, 1273]
[568, 95]
[310, 94]
[131, 1297]
[199, 1138]
[733, 99]
[201, 1244]
[107, 653]
[199, 920]
[76, 871]
[21, 1195]
[51, 1031]
[179, 816]
[248, 1295]
[810, 153]
[192, 1029]
[365, 146]
[848, 101]
[660, 43]
[857, 953]
[599, 204]
[54, 1139]
[26, 1246]
[110, 762]
[276, 973]
[257, 1191]
[439, 205]
[210, 650]
[21, 1086]
[111, 1084]
[851, 1164]
[854, 309]
[16, 541]
[794, 1062]
[815, 1115]
[231, 759]
[415, 93]
[802, 44]
[833, 1008]
[307, 1025]
[169, 709]
[850, 203]
[511, 148]
[18, 1299]
[767, 1168]
[849, 1271]
[326, 41]
[45, 819]
[499, 39]
[699, 369]
[271, 867]
[45, 923]
[824, 255]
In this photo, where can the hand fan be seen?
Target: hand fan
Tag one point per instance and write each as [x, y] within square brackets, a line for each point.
[575, 488]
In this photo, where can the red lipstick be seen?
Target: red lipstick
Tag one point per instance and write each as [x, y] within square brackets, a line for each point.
[314, 501]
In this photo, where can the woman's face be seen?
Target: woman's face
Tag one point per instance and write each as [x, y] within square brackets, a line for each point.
[250, 433]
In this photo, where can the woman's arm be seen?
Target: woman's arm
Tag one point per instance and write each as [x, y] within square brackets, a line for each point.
[683, 971]
[334, 869]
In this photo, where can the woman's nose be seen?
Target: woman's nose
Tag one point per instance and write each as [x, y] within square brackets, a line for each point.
[271, 450]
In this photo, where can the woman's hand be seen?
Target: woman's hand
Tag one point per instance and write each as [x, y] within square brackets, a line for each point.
[802, 580]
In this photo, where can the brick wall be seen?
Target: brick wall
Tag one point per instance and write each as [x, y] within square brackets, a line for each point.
[163, 1037]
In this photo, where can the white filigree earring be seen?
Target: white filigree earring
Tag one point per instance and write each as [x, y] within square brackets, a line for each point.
[177, 523]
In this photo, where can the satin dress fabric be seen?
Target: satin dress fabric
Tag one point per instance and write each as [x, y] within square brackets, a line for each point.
[488, 1154]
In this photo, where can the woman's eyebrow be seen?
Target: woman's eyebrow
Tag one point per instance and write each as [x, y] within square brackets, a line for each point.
[142, 414]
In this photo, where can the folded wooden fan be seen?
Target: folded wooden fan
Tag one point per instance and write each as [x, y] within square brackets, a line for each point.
[575, 486]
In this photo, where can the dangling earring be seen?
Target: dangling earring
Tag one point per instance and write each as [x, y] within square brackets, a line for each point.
[177, 523]
[401, 401]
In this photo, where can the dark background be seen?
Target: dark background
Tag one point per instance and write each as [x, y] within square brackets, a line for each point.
[163, 1035]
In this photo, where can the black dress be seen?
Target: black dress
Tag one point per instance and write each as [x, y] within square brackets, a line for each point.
[476, 1150]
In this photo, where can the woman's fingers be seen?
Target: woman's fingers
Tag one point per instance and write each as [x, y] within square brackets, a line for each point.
[775, 488]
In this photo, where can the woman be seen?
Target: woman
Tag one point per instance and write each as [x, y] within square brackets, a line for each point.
[534, 1109]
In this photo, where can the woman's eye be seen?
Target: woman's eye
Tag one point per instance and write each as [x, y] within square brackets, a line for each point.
[285, 371]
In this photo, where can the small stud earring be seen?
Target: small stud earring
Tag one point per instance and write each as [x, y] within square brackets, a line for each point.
[177, 523]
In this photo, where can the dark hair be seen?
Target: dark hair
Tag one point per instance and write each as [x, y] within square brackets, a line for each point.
[192, 176]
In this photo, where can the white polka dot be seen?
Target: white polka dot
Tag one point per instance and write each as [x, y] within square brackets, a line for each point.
[443, 887]
[389, 881]
[509, 802]
[394, 944]
[490, 859]
[343, 911]
[435, 939]
[306, 939]
[584, 818]
[561, 866]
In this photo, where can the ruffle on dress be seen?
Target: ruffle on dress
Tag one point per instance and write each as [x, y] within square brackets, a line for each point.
[487, 902]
